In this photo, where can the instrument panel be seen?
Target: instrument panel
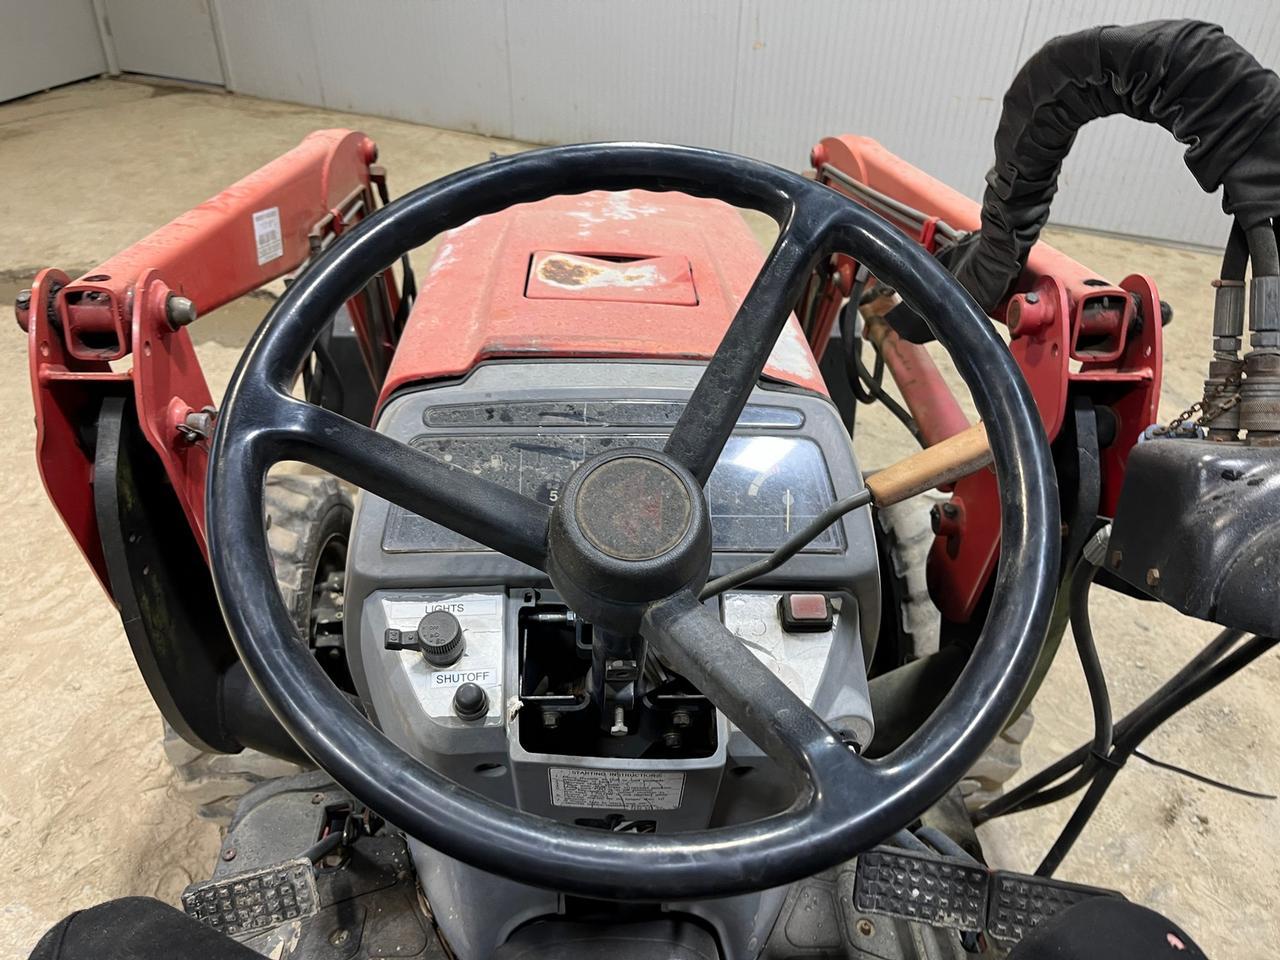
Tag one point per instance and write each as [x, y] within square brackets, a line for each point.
[769, 482]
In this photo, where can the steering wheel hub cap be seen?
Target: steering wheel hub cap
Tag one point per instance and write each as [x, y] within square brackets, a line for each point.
[630, 527]
[633, 508]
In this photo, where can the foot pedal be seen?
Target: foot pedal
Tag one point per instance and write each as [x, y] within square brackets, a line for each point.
[249, 903]
[939, 891]
[1020, 902]
[958, 895]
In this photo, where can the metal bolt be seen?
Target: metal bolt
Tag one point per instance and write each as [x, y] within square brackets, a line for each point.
[1033, 297]
[550, 719]
[681, 718]
[21, 304]
[229, 854]
[866, 927]
[1153, 577]
[339, 937]
[179, 310]
[619, 728]
[317, 798]
[198, 425]
[672, 740]
[945, 519]
[201, 422]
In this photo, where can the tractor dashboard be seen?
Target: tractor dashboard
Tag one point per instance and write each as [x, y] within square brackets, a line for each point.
[471, 661]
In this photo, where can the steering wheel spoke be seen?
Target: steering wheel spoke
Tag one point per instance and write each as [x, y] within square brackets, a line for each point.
[691, 638]
[732, 373]
[487, 512]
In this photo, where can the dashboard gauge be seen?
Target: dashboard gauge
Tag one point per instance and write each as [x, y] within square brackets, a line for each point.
[764, 487]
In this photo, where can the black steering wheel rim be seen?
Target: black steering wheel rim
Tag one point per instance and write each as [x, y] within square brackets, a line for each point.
[846, 804]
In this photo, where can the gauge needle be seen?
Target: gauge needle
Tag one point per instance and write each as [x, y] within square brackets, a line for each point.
[787, 500]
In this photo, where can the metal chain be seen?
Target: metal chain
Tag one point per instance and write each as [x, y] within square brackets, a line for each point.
[1213, 410]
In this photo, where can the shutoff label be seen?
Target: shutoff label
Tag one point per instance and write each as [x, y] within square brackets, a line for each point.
[456, 678]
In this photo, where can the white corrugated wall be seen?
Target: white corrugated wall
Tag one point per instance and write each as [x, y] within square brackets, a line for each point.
[761, 77]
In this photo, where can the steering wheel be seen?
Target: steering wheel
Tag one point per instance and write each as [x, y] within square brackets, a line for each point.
[628, 544]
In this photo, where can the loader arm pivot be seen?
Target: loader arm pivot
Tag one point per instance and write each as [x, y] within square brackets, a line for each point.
[140, 301]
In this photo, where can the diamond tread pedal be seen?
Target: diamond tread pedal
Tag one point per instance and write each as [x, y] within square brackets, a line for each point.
[934, 890]
[1019, 903]
[249, 903]
[958, 895]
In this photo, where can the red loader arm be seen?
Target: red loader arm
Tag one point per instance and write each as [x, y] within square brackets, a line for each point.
[1072, 334]
[140, 301]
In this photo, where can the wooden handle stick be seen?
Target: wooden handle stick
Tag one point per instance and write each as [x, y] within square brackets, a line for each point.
[948, 460]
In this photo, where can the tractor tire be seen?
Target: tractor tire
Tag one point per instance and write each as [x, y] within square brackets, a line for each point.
[308, 521]
[213, 783]
[905, 532]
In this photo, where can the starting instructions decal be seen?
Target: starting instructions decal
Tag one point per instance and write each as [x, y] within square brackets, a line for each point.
[267, 235]
[615, 789]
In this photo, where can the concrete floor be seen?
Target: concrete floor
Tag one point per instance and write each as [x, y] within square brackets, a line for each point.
[87, 811]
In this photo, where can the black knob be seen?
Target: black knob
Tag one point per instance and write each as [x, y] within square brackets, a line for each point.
[440, 638]
[470, 702]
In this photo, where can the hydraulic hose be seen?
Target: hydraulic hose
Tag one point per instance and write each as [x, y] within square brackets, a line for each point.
[1263, 251]
[1082, 631]
[1096, 751]
[1186, 75]
[1080, 763]
[1126, 744]
[1235, 259]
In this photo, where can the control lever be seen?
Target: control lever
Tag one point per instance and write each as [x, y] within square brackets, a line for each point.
[395, 639]
[944, 462]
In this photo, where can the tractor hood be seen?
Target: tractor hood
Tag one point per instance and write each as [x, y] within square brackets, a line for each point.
[634, 275]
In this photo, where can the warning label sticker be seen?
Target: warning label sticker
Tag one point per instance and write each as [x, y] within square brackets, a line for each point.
[615, 789]
[266, 234]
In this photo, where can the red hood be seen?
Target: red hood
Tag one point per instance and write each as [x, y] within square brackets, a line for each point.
[663, 276]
